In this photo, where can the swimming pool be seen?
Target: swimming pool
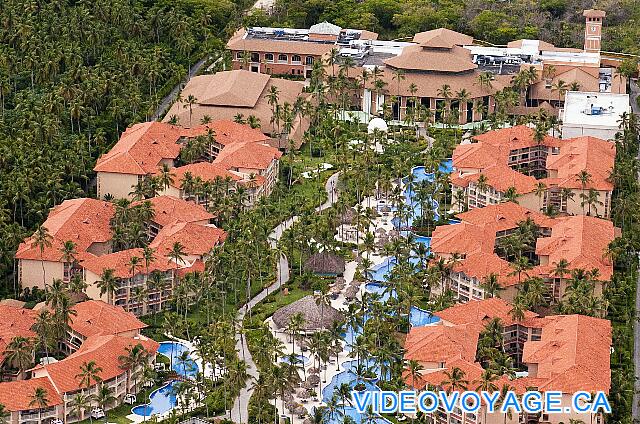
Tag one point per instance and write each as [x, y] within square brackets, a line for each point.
[160, 401]
[300, 358]
[164, 399]
[180, 357]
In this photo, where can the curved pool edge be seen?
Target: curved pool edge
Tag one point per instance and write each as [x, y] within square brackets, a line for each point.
[148, 403]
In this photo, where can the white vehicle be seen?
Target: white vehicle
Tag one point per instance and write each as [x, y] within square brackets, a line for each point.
[97, 413]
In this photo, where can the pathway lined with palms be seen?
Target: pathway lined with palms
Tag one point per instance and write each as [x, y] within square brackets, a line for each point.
[240, 411]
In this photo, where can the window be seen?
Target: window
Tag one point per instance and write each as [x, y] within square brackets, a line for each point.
[268, 57]
[282, 58]
[296, 59]
[309, 60]
[255, 57]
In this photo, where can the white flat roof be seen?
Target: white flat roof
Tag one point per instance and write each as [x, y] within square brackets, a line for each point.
[594, 109]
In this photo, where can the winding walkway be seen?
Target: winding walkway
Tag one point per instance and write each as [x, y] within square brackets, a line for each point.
[240, 410]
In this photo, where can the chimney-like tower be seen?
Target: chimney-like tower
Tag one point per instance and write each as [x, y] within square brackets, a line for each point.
[593, 29]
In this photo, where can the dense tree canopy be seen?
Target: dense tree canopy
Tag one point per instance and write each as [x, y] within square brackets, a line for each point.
[73, 75]
[557, 21]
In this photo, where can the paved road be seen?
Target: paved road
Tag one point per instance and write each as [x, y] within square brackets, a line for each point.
[240, 411]
[164, 105]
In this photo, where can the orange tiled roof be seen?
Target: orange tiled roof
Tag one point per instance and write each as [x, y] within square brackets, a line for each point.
[582, 241]
[15, 322]
[141, 148]
[573, 354]
[169, 209]
[480, 311]
[481, 264]
[104, 350]
[463, 238]
[95, 317]
[516, 137]
[472, 372]
[206, 171]
[435, 55]
[501, 177]
[584, 153]
[505, 216]
[442, 38]
[248, 156]
[228, 132]
[17, 395]
[84, 221]
[119, 262]
[197, 239]
[442, 343]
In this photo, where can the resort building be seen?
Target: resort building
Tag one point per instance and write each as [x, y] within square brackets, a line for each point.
[85, 222]
[569, 177]
[288, 51]
[98, 332]
[564, 353]
[16, 322]
[144, 285]
[227, 94]
[145, 148]
[593, 114]
[476, 250]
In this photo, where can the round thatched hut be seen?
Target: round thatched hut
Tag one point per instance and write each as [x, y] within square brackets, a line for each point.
[316, 316]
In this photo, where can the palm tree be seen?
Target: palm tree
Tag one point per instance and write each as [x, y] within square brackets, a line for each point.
[42, 240]
[89, 374]
[584, 178]
[511, 195]
[104, 398]
[561, 87]
[18, 354]
[39, 399]
[108, 284]
[491, 286]
[539, 191]
[413, 367]
[135, 357]
[5, 415]
[189, 102]
[80, 403]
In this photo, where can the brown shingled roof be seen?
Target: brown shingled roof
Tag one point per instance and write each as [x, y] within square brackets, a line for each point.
[421, 58]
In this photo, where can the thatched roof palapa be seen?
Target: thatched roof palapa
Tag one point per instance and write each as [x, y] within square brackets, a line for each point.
[325, 263]
[316, 316]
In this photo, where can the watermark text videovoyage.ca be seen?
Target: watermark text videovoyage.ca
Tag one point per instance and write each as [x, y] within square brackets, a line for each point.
[471, 402]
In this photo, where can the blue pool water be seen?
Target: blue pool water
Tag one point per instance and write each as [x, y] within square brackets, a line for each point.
[164, 399]
[174, 351]
[160, 401]
[301, 359]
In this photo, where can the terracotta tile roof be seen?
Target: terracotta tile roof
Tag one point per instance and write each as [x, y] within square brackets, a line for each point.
[479, 155]
[501, 177]
[584, 153]
[169, 209]
[197, 239]
[15, 322]
[463, 238]
[594, 13]
[247, 156]
[234, 90]
[505, 216]
[582, 241]
[442, 343]
[119, 262]
[84, 221]
[481, 264]
[141, 148]
[95, 317]
[516, 137]
[206, 171]
[442, 38]
[424, 57]
[228, 132]
[104, 350]
[17, 395]
[472, 372]
[480, 311]
[228, 88]
[239, 43]
[196, 266]
[542, 45]
[573, 354]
